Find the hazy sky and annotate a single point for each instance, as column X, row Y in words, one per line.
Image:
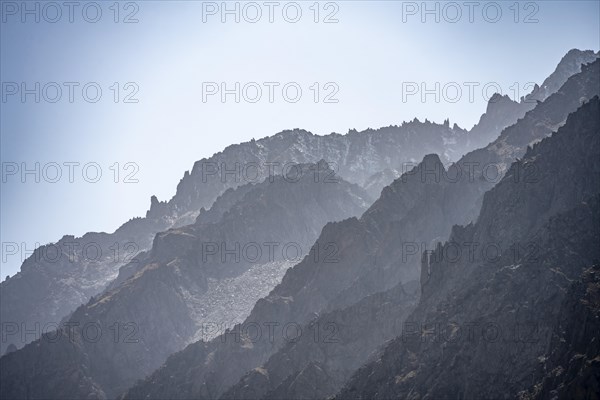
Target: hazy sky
column 178, row 50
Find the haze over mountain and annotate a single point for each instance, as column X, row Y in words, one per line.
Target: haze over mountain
column 365, row 214
column 546, row 232
column 377, row 251
column 50, row 286
column 171, row 293
column 59, row 277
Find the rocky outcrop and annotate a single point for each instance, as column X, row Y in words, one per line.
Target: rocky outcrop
column 59, row 277
column 485, row 320
column 571, row 370
column 173, row 292
column 502, row 112
column 333, row 346
column 569, row 65
column 48, row 288
column 376, row 252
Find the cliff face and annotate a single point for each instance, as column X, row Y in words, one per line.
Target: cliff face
column 206, row 275
column 569, row 65
column 334, row 345
column 570, row 369
column 496, row 311
column 59, row 277
column 502, row 112
column 376, row 252
column 48, row 288
column 312, row 286
column 191, row 278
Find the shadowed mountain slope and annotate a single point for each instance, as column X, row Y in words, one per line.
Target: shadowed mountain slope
column 486, row 322
column 376, row 252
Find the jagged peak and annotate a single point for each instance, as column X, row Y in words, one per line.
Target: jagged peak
column 431, row 159
column 496, row 100
column 429, row 170
column 293, row 132
column 574, row 53
column 573, row 61
column 496, row 97
column 572, row 58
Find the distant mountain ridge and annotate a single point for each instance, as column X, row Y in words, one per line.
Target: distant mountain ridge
column 45, row 290
column 556, row 220
column 172, row 291
column 419, row 208
column 376, row 261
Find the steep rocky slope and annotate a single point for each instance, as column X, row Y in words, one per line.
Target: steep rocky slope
column 46, row 289
column 568, row 65
column 250, row 386
column 335, row 345
column 485, row 320
column 502, row 112
column 49, row 287
column 187, row 282
column 376, row 252
column 572, row 367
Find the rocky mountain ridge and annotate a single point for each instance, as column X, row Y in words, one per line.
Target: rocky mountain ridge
column 545, row 232
column 188, row 283
column 416, row 209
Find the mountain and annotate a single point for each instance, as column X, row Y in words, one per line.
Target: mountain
column 58, row 277
column 502, row 112
column 349, row 336
column 570, row 370
column 486, row 321
column 205, row 275
column 207, row 369
column 458, row 190
column 376, row 252
column 164, row 284
column 48, row 287
column 569, row 65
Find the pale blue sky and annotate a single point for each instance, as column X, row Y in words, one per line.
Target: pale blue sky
column 170, row 52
